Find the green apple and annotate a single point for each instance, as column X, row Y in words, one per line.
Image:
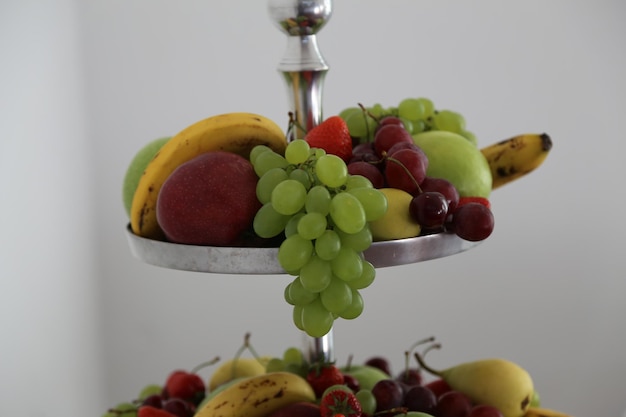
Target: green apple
column 367, row 375
column 135, row 169
column 454, row 158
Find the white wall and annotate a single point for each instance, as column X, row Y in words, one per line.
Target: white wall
column 545, row 290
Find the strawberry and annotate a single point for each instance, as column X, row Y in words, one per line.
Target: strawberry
column 333, row 136
column 340, row 403
column 323, row 376
column 150, row 411
column 482, row 200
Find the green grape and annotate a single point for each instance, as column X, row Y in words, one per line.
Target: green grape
column 268, row 160
column 294, row 252
column 291, row 228
column 355, row 309
column 347, row 212
column 327, row 246
column 331, row 170
column 373, row 201
column 297, row 151
column 125, row 409
column 293, row 355
column 148, row 390
column 429, row 107
column 337, row 296
column 297, row 317
column 358, row 181
column 412, row 109
column 366, row 278
column 275, row 365
column 408, row 124
column 347, row 265
column 257, row 150
column 470, row 136
column 301, row 176
column 317, row 200
column 349, row 111
column 449, row 121
column 288, row 197
column 418, row 126
column 312, row 225
column 268, row 222
column 367, row 400
column 316, row 274
column 377, row 110
column 266, row 183
column 318, row 152
column 287, row 295
column 360, row 125
column 299, row 295
column 316, row 320
column 358, row 241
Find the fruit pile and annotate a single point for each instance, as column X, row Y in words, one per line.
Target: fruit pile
column 324, row 199
column 290, row 386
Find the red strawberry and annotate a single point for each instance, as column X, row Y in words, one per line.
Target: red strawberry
column 333, row 136
column 482, row 200
column 340, row 403
column 150, row 411
column 324, row 376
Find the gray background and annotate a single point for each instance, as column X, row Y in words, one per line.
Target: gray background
column 83, row 85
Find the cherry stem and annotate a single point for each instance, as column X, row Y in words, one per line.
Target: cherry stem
column 205, row 364
column 420, row 359
column 407, row 354
column 406, row 170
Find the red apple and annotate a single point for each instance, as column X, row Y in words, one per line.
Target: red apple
column 209, row 200
column 298, row 409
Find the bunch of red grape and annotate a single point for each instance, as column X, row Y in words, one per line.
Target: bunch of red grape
column 393, row 160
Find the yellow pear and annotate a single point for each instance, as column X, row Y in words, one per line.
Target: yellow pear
column 236, row 368
column 397, row 222
column 496, row 382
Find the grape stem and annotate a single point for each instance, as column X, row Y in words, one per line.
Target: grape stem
column 294, row 122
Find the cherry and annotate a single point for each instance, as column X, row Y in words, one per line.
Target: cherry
column 420, row 398
column 453, row 404
column 380, row 363
column 388, row 393
column 473, row 222
column 185, row 385
column 429, row 209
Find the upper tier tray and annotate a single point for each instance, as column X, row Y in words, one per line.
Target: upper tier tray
column 259, row 261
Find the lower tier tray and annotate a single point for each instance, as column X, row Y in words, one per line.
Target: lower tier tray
column 264, row 260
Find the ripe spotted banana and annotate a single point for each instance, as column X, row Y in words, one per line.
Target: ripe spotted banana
column 258, row 396
column 513, row 158
column 544, row 412
column 232, row 132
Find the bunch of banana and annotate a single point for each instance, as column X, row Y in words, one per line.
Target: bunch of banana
column 258, row 396
column 232, row 132
column 544, row 412
column 515, row 157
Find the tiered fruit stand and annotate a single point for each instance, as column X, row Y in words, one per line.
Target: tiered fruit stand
column 303, row 69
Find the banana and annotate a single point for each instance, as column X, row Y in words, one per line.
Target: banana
column 232, row 132
column 258, row 396
column 544, row 412
column 515, row 157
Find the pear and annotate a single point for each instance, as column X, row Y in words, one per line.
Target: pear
column 496, row 382
column 236, row 368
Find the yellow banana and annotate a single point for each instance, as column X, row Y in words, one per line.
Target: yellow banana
column 232, row 132
column 515, row 157
column 544, row 412
column 258, row 396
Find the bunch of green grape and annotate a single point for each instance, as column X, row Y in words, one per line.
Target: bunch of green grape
column 324, row 214
column 292, row 360
column 418, row 115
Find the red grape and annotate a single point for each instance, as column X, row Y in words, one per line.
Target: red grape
column 388, row 135
column 420, row 398
column 388, row 394
column 369, row 171
column 380, row 363
column 155, row 401
column 453, row 404
column 473, row 222
column 406, row 170
column 178, row 407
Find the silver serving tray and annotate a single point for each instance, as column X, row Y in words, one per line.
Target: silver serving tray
column 260, row 260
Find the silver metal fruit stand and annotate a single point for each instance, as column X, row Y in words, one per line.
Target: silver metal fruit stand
column 304, row 70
